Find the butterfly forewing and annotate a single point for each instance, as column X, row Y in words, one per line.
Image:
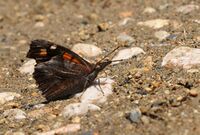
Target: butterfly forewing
column 42, row 50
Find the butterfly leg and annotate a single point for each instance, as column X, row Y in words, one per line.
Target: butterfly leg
column 99, row 84
column 84, row 89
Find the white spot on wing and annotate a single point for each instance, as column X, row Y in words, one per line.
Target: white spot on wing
column 53, row 47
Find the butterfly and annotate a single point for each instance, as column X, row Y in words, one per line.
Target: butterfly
column 61, row 73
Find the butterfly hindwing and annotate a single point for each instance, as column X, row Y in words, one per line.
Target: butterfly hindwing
column 55, row 88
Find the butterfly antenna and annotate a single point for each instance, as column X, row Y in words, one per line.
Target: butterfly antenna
column 109, row 53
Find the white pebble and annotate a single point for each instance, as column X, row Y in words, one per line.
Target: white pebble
column 161, row 35
column 125, row 21
column 149, row 10
column 96, row 93
column 8, row 96
column 18, row 133
column 14, row 114
column 75, row 109
column 28, row 67
column 185, row 57
column 39, row 25
column 127, row 53
column 187, row 8
column 63, row 130
column 155, row 24
column 87, row 50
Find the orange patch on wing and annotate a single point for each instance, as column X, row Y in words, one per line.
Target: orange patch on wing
column 76, row 61
column 43, row 52
column 69, row 57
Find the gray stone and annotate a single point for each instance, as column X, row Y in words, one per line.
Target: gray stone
column 187, row 8
column 161, row 35
column 125, row 38
column 135, row 115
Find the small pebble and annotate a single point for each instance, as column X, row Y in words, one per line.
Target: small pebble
column 126, row 14
column 184, row 57
column 155, row 84
column 175, row 103
column 172, row 37
column 93, row 17
column 39, row 25
column 14, row 114
column 187, row 8
column 197, row 38
column 39, row 18
column 197, row 21
column 194, row 92
column 75, row 109
column 193, row 70
column 103, row 26
column 87, row 50
column 36, row 113
column 149, row 10
column 14, row 133
column 155, row 24
column 70, row 128
column 22, row 42
column 125, row 21
column 12, row 105
column 90, row 133
column 164, row 6
column 18, row 133
column 76, row 119
column 8, row 96
column 43, row 127
column 161, row 35
column 125, row 38
column 127, row 53
column 180, row 98
column 28, row 67
column 1, row 18
column 167, row 92
column 145, row 120
column 135, row 115
column 176, row 24
column 148, row 89
column 148, row 62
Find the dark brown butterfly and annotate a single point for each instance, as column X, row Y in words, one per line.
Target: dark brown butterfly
column 60, row 73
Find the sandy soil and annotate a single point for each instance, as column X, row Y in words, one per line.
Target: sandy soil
column 160, row 93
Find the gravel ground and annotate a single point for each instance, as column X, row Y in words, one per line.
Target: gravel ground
column 147, row 99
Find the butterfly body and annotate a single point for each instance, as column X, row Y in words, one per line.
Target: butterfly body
column 60, row 73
